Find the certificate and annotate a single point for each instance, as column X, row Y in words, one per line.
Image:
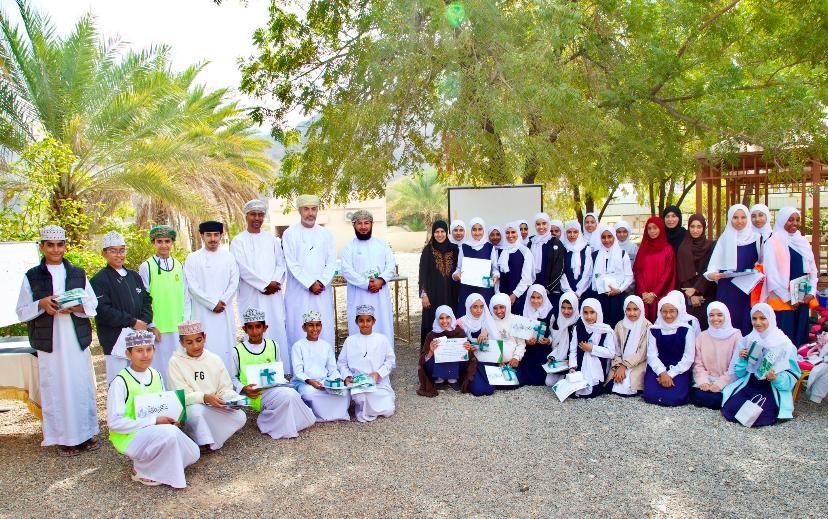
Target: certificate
column 748, row 281
column 564, row 388
column 165, row 403
column 501, row 376
column 270, row 374
column 476, row 272
column 523, row 327
column 451, row 350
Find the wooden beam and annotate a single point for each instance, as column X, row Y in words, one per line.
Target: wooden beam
column 816, row 169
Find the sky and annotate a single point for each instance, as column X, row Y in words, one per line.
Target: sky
column 196, row 30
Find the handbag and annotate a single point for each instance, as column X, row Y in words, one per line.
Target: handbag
column 750, row 410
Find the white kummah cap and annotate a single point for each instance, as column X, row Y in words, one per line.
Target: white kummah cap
column 139, row 338
column 190, row 328
column 52, row 233
column 113, row 239
column 311, row 316
column 365, row 310
column 307, row 201
column 253, row 315
column 255, row 205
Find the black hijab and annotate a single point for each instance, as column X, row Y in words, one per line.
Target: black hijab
column 677, row 234
column 435, row 245
column 694, row 254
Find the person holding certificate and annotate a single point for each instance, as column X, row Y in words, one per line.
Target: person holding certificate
column 538, row 348
column 503, row 353
column 476, row 265
column 789, row 264
column 445, row 358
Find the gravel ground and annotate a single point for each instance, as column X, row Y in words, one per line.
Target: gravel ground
column 515, row 454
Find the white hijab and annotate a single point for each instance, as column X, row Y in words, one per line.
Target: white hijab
column 559, row 224
column 539, row 240
column 545, row 307
column 765, row 230
column 614, row 253
column 454, row 225
column 443, row 309
column 472, row 324
column 634, row 328
column 779, row 272
column 677, row 300
column 772, row 339
column 561, row 335
column 724, row 256
column 599, row 326
column 502, row 236
column 508, row 248
column 574, row 247
column 521, row 239
column 588, row 235
column 496, row 325
column 470, row 241
column 726, row 330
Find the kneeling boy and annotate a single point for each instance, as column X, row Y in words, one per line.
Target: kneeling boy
column 207, row 387
column 157, row 447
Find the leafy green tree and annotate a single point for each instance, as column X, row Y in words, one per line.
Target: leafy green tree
column 138, row 131
column 418, row 200
column 578, row 95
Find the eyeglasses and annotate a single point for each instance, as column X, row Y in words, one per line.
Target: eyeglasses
column 116, row 252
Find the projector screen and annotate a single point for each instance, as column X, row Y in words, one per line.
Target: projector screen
column 497, row 205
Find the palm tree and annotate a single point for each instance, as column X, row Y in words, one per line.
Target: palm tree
column 140, row 132
column 421, row 196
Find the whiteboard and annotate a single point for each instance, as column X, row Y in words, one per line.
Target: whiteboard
column 497, row 205
column 16, row 257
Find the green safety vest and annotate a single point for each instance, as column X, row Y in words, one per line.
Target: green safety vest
column 134, row 388
column 268, row 354
column 166, row 287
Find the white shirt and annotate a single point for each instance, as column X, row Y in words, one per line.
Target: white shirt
column 116, row 404
column 365, row 354
column 310, row 254
column 314, row 360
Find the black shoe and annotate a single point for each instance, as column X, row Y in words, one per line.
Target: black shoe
column 440, row 386
column 455, row 385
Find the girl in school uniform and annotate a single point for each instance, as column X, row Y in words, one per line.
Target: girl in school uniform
column 622, row 234
column 760, row 220
column 670, row 354
column 541, row 247
column 523, row 229
column 654, row 269
column 476, row 246
column 691, row 263
column 737, row 249
column 591, row 349
column 672, row 223
column 516, row 267
column 714, row 352
column 788, row 255
column 577, row 260
column 457, row 232
column 691, row 320
column 538, row 306
column 503, row 349
column 473, row 322
column 563, row 330
column 764, row 342
column 610, row 262
column 556, row 227
column 590, row 225
column 626, row 374
column 496, row 237
column 433, row 375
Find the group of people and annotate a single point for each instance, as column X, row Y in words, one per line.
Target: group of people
column 172, row 326
column 664, row 319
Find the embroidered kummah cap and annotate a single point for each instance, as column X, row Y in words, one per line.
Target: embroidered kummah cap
column 255, row 206
column 139, row 338
column 52, row 233
column 311, row 316
column 190, row 328
column 253, row 315
column 362, row 214
column 113, row 239
column 210, row 226
column 162, row 231
column 365, row 310
column 307, row 201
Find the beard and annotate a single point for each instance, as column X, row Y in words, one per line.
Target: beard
column 364, row 237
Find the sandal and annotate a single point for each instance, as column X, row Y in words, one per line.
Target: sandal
column 92, row 444
column 144, row 481
column 67, row 452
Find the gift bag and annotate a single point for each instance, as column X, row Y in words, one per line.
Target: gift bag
column 750, row 410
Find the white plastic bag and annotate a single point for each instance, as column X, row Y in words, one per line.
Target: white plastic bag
column 750, row 410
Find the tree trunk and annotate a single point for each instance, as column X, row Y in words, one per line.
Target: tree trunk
column 652, row 199
column 576, row 196
column 589, row 203
column 498, row 157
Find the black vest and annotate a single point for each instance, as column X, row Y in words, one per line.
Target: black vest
column 41, row 327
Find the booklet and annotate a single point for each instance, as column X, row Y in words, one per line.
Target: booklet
column 70, row 298
column 266, row 375
column 748, row 281
column 165, row 403
column 571, row 383
column 605, row 282
column 799, row 288
column 476, row 272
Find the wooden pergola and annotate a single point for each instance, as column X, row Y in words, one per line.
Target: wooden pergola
column 751, row 178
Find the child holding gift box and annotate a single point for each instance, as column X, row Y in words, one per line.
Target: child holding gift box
column 313, row 362
column 369, row 353
column 158, row 449
column 538, row 306
column 207, row 387
column 282, row 413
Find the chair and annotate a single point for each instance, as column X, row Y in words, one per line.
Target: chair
column 803, row 381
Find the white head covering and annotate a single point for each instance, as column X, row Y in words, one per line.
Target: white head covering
column 588, row 235
column 521, row 239
column 765, row 230
column 614, row 253
column 255, row 205
column 539, row 240
column 252, row 315
column 455, row 224
column 677, row 300
column 470, row 241
column 560, row 336
column 724, row 331
column 622, row 224
column 545, row 307
column 771, row 340
column 443, row 309
column 556, row 223
column 307, row 200
column 576, row 247
column 634, row 328
column 496, row 324
column 52, row 233
column 724, row 255
column 507, row 248
column 112, row 239
column 472, row 324
column 599, row 326
column 502, row 237
column 778, row 270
